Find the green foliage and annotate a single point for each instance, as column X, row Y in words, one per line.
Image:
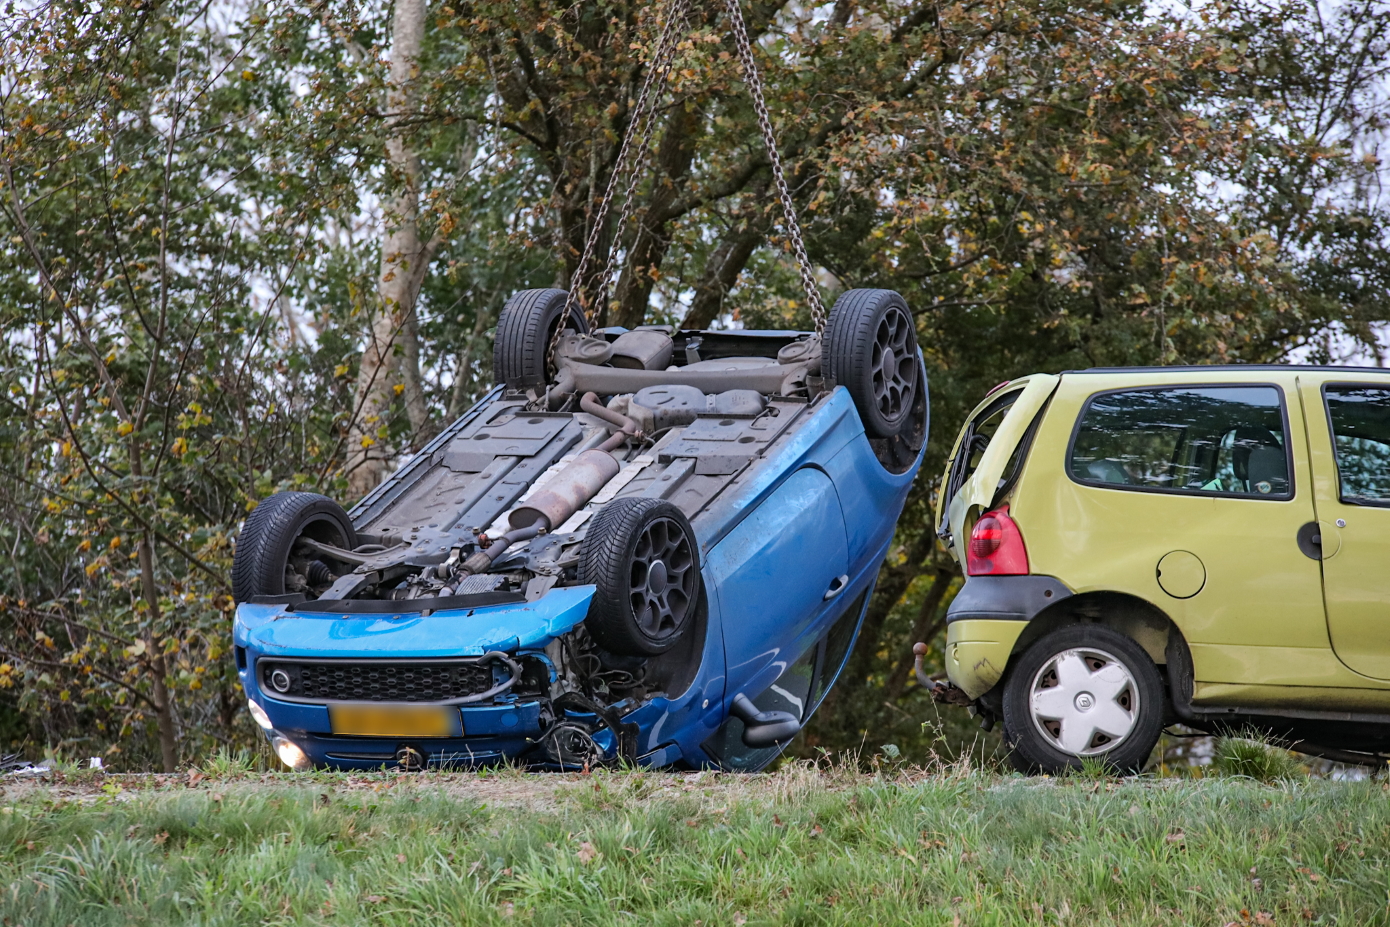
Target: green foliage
column 799, row 847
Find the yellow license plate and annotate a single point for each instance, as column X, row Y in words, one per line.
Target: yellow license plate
column 371, row 720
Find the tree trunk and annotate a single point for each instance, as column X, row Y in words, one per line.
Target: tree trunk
column 649, row 243
column 154, row 659
column 392, row 354
column 722, row 270
column 463, row 378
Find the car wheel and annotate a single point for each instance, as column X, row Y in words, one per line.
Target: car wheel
column 642, row 556
column 524, row 330
column 262, row 564
column 871, row 350
column 1082, row 692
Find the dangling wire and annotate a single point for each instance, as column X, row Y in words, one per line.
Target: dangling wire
column 643, row 123
column 755, row 87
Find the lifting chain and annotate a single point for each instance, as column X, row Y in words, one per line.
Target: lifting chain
column 644, row 123
column 755, row 88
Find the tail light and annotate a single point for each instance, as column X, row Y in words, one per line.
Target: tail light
column 996, row 546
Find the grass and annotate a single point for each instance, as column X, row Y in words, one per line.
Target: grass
column 1254, row 759
column 802, row 846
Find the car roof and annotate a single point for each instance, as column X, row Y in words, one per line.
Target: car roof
column 1229, row 368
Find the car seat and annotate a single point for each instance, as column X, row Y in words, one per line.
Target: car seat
column 1107, row 471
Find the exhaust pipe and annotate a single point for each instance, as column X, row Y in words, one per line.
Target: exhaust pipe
column 574, row 486
column 567, row 493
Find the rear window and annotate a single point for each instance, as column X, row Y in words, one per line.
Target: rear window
column 1360, row 417
column 1225, row 440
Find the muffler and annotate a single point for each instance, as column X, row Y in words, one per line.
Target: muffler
column 568, row 491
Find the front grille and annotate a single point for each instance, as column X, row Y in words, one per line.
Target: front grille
column 374, row 680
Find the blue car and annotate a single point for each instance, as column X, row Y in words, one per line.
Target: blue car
column 647, row 546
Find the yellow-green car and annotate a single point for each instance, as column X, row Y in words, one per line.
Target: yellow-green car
column 1204, row 545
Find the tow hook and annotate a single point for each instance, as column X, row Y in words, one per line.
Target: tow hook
column 946, row 692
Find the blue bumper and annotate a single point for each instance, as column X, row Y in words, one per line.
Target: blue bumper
column 508, row 729
column 491, row 732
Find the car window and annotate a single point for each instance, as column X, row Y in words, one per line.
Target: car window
column 1360, row 417
column 837, row 644
column 978, row 434
column 1201, row 439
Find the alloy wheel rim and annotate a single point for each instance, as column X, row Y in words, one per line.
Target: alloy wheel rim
column 894, row 363
column 1084, row 701
column 662, row 579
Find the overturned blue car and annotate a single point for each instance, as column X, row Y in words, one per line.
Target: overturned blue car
column 649, row 546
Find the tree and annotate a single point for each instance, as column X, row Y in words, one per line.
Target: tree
column 392, row 352
column 144, row 399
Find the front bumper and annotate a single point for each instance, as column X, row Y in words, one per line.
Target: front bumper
column 492, row 733
column 505, row 727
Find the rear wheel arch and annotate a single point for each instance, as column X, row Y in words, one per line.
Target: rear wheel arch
column 1136, row 618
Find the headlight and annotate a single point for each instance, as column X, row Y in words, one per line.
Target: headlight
column 290, row 754
column 259, row 714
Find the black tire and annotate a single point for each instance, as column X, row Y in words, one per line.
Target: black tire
column 268, row 535
column 1037, row 741
column 636, row 611
column 524, row 330
column 871, row 350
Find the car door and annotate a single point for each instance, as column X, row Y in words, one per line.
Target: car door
column 1189, row 494
column 1349, row 445
column 774, row 574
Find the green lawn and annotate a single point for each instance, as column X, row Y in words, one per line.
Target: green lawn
column 796, row 847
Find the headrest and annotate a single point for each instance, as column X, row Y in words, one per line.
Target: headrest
column 1269, row 471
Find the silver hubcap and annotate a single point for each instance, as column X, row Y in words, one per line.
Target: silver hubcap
column 1084, row 702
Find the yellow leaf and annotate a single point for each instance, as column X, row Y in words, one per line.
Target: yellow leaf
column 340, row 370
column 124, row 428
column 399, row 388
column 367, row 442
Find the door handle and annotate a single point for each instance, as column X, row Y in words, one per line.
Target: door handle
column 837, row 586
